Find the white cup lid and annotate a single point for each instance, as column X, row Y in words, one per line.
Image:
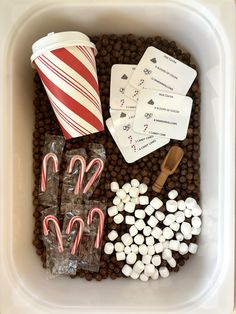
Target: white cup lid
column 59, row 40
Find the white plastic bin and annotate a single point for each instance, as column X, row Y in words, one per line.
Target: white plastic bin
column 205, row 283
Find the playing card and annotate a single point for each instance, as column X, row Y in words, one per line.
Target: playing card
column 123, row 125
column 157, row 70
column 136, row 151
column 162, row 114
column 120, row 74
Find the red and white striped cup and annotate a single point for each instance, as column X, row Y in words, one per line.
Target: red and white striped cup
column 66, row 65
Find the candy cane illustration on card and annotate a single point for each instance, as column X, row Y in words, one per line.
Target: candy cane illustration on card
column 66, row 65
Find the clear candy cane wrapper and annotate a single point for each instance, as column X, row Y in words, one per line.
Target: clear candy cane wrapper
column 52, row 238
column 92, row 239
column 94, row 168
column 73, row 177
column 49, row 180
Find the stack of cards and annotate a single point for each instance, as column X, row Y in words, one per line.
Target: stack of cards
column 148, row 105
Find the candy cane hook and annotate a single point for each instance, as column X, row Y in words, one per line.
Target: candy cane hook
column 79, row 233
column 101, row 215
column 96, row 174
column 58, row 230
column 44, row 169
column 81, row 173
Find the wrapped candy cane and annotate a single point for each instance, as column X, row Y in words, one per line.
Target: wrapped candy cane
column 101, row 215
column 57, row 228
column 98, row 171
column 46, row 158
column 79, row 233
column 81, row 171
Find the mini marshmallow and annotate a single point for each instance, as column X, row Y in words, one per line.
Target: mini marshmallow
column 129, row 220
column 109, row 248
column 172, row 194
column 147, row 231
column 134, row 248
column 183, row 249
column 139, row 239
column 126, row 199
column 143, row 188
column 133, row 231
column 127, row 270
column 172, row 262
column 119, row 247
column 152, row 221
column 175, row 226
column 190, row 202
column 196, row 211
column 166, row 254
column 179, row 217
column 188, row 236
column 171, row 206
column 186, row 228
column 156, row 260
column 134, row 275
column 138, row 267
column 116, row 200
column 143, row 200
column 149, row 210
column 166, row 244
column 120, row 207
column 126, row 187
column 114, row 186
column 193, row 248
column 155, row 276
column 135, row 183
column 156, row 203
column 120, row 256
column 129, row 207
column 179, row 236
column 146, row 259
column 127, row 250
column 118, row 219
column 127, row 239
column 158, row 247
column 112, row 235
column 181, row 205
column 135, row 200
column 143, row 249
column 143, row 277
column 139, row 213
column 159, row 215
column 140, row 224
column 151, row 250
column 149, row 270
column 112, row 211
column 131, row 258
column 134, row 192
column 162, row 239
column 174, row 245
column 150, row 240
column 188, row 213
column 164, row 272
column 167, row 233
column 196, row 231
column 121, row 194
column 196, row 222
column 170, row 218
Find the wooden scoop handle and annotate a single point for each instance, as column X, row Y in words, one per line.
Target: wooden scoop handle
column 160, row 181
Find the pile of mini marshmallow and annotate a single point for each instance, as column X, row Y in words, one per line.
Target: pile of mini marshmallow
column 146, row 239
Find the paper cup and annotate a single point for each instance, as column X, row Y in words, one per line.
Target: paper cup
column 66, row 65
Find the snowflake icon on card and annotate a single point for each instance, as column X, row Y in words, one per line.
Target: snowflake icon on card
column 126, row 127
column 147, row 71
column 148, row 115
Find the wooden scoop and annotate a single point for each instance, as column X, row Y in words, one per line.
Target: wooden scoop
column 168, row 167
